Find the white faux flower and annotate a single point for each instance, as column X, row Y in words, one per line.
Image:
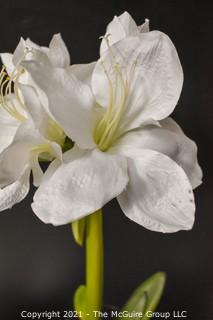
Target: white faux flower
column 27, row 130
column 123, row 146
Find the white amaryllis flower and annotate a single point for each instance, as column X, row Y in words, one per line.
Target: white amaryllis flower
column 27, row 130
column 123, row 146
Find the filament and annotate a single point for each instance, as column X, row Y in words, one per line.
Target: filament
column 7, row 86
column 107, row 129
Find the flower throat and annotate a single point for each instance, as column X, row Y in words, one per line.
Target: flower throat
column 108, row 127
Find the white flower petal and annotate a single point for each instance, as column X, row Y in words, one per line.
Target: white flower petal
column 7, row 60
column 128, row 24
column 80, row 187
column 119, row 28
column 83, row 72
column 168, row 139
column 34, row 107
column 19, row 53
column 9, row 172
column 54, row 165
column 73, row 154
column 32, row 45
column 151, row 65
column 15, row 192
column 41, row 118
column 159, row 195
column 186, row 155
column 12, row 61
column 6, row 136
column 70, row 101
column 8, row 128
column 36, row 169
column 58, row 53
column 115, row 31
column 27, row 137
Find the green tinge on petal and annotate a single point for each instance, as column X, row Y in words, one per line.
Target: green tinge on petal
column 55, row 133
column 78, row 230
column 147, row 296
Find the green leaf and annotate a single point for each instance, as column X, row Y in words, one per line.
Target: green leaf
column 78, row 230
column 147, row 296
column 80, row 301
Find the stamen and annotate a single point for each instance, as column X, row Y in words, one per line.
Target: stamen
column 16, row 90
column 111, row 54
column 107, row 127
column 107, row 130
column 2, row 73
column 111, row 101
column 6, row 94
column 9, row 86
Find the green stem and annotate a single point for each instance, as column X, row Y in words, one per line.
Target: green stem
column 94, row 263
column 89, row 297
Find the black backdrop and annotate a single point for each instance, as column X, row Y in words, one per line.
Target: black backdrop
column 40, row 265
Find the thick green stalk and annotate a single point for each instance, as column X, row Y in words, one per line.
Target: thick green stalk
column 94, row 263
column 89, row 297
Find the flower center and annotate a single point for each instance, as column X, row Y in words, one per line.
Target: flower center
column 119, row 78
column 10, row 98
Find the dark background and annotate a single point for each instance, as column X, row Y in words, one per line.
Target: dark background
column 40, row 265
